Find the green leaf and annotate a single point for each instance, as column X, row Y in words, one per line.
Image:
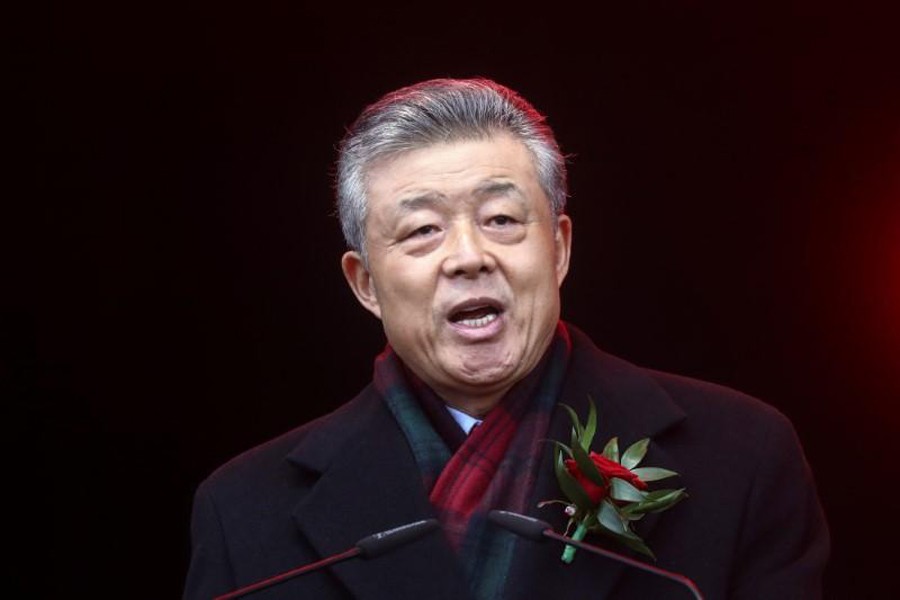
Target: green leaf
column 668, row 502
column 611, row 450
column 632, row 541
column 587, row 466
column 620, row 489
column 617, row 527
column 635, row 453
column 575, row 422
column 591, row 427
column 571, row 488
column 563, row 447
column 657, row 494
column 653, row 473
column 610, row 518
column 659, row 501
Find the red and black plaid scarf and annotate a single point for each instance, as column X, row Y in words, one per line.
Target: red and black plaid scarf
column 495, row 466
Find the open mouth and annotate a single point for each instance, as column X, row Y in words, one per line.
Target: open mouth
column 475, row 316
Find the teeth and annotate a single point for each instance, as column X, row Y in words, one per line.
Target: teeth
column 479, row 322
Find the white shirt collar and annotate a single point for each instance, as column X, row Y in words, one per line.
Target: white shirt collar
column 467, row 422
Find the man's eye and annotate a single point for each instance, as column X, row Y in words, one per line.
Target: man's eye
column 423, row 231
column 502, row 220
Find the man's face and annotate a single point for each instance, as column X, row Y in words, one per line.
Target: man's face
column 464, row 265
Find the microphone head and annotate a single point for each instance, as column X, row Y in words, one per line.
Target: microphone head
column 528, row 527
column 384, row 541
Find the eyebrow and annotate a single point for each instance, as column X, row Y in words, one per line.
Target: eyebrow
column 485, row 188
column 423, row 200
column 498, row 188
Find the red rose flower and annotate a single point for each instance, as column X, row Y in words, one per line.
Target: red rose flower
column 609, row 469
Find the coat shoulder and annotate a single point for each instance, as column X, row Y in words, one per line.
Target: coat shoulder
column 316, row 440
column 716, row 402
column 702, row 401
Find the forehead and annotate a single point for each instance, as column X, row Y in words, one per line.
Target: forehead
column 458, row 168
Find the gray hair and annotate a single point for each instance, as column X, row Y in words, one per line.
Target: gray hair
column 432, row 112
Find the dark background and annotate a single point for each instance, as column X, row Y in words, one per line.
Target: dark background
column 172, row 293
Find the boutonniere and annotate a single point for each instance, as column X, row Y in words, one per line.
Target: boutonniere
column 607, row 492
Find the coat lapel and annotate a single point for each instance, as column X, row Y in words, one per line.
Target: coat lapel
column 630, row 405
column 369, row 483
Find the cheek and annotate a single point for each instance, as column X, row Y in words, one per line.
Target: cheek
column 536, row 277
column 402, row 295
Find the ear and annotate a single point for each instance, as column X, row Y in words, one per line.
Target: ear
column 563, row 243
column 360, row 281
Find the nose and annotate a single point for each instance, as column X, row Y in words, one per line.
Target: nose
column 467, row 253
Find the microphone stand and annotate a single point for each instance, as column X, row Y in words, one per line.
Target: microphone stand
column 354, row 551
column 537, row 530
column 627, row 560
column 368, row 547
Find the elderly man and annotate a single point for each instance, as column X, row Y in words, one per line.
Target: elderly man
column 451, row 196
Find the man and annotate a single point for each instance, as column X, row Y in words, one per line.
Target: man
column 451, row 196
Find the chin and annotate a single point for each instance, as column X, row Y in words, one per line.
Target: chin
column 486, row 375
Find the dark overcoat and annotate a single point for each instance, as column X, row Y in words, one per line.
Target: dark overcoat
column 751, row 528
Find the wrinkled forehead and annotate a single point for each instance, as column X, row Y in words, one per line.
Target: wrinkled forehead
column 468, row 170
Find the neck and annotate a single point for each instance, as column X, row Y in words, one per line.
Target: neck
column 476, row 407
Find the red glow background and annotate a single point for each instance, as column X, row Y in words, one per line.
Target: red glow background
column 172, row 294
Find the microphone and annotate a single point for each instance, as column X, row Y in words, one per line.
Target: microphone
column 385, row 541
column 537, row 530
column 368, row 547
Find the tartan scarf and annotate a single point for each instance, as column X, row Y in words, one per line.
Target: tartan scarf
column 494, row 468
